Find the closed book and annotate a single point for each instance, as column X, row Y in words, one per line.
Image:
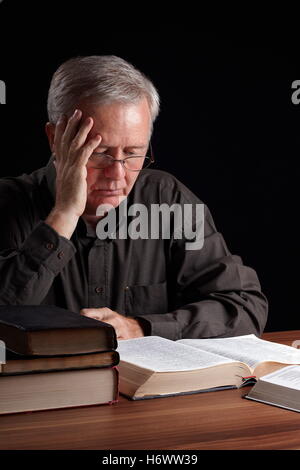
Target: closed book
column 280, row 388
column 18, row 364
column 50, row 330
column 62, row 389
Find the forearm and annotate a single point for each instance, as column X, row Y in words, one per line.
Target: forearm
column 28, row 273
column 63, row 223
column 219, row 315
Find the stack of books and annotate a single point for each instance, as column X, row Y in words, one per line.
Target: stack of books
column 55, row 359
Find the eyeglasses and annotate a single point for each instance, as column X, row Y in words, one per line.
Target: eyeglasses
column 135, row 163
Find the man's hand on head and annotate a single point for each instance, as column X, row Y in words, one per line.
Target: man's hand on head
column 72, row 148
column 125, row 327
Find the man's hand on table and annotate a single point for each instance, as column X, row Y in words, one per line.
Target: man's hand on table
column 125, row 327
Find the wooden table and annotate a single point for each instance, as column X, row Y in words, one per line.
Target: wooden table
column 216, row 420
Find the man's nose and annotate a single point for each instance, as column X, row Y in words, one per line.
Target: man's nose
column 115, row 171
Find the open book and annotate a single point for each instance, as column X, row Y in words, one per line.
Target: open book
column 152, row 366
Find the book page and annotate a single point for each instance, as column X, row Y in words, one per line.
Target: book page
column 163, row 355
column 247, row 348
column 287, row 377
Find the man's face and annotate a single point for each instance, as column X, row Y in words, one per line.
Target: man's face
column 125, row 131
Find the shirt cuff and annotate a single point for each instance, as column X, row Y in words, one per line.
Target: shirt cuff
column 164, row 325
column 45, row 246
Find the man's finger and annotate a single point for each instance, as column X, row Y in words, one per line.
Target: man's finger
column 82, row 134
column 98, row 313
column 71, row 129
column 59, row 130
column 89, row 147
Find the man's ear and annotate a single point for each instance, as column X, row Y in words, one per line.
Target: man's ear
column 50, row 131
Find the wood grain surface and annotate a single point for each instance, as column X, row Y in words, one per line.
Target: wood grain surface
column 215, row 420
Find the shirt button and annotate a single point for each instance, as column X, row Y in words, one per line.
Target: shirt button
column 60, row 254
column 99, row 290
column 49, row 246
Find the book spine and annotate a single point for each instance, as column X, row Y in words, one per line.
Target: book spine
column 116, row 369
column 114, row 339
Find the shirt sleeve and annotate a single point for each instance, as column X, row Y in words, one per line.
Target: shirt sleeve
column 31, row 252
column 27, row 272
column 211, row 292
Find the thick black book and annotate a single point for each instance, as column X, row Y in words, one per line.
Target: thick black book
column 50, row 330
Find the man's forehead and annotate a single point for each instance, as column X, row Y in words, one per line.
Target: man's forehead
column 114, row 107
column 133, row 146
column 120, row 124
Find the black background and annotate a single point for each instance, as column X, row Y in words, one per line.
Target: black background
column 227, row 128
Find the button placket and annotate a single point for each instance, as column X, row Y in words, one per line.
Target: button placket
column 96, row 276
column 49, row 246
column 99, row 290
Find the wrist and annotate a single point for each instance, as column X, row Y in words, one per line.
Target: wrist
column 141, row 326
column 64, row 223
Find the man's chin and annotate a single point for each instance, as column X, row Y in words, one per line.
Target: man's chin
column 105, row 200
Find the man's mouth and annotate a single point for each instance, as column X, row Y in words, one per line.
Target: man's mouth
column 110, row 192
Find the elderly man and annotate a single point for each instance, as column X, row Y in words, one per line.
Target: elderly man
column 101, row 114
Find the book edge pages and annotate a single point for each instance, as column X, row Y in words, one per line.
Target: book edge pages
column 271, row 403
column 137, row 391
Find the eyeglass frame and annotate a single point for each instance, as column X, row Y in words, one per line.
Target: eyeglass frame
column 123, row 160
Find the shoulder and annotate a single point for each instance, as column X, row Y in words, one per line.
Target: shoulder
column 13, row 188
column 165, row 184
column 19, row 191
column 158, row 177
column 22, row 205
column 161, row 187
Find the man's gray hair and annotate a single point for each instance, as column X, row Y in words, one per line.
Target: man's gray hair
column 100, row 80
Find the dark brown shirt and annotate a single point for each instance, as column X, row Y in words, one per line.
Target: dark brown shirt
column 177, row 293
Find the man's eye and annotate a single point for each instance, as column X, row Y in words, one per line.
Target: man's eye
column 98, row 154
column 130, row 154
